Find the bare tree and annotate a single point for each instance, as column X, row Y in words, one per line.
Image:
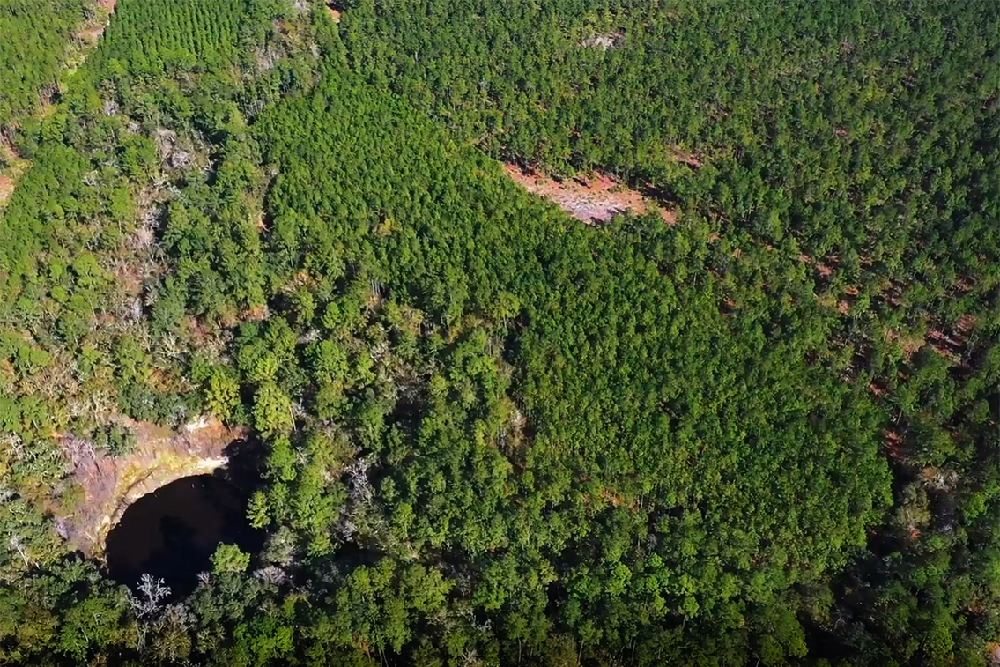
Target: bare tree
column 17, row 546
column 152, row 593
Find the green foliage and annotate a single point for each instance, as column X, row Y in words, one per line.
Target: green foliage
column 833, row 138
column 150, row 36
column 222, row 396
column 36, row 34
column 228, row 559
column 115, row 440
column 490, row 434
column 272, row 410
column 628, row 355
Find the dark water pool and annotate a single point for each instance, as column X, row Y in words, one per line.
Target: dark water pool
column 173, row 532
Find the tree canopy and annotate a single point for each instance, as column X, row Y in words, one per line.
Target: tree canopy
column 481, row 432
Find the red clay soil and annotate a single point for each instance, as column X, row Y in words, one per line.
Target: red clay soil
column 849, row 298
column 951, row 342
column 593, row 200
column 894, row 445
column 685, row 157
column 825, row 268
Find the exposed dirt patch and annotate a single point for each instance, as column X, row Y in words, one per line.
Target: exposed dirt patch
column 685, row 157
column 593, row 200
column 908, row 343
column 6, row 187
column 336, row 9
column 847, row 300
column 894, row 446
column 823, row 270
column 615, row 499
column 952, row 341
column 8, row 179
column 605, row 41
column 89, row 34
column 111, row 483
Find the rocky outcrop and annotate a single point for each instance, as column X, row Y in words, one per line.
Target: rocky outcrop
column 111, row 483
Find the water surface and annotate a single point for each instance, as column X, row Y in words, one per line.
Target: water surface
column 173, row 532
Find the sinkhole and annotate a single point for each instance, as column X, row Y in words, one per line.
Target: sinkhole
column 172, row 532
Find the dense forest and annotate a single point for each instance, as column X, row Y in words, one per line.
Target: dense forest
column 30, row 57
column 478, row 431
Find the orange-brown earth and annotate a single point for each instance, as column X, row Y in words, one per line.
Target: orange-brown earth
column 336, row 9
column 6, row 187
column 593, row 199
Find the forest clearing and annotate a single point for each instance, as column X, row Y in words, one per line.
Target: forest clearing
column 593, row 199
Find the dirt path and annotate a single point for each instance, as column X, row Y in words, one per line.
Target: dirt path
column 594, row 200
